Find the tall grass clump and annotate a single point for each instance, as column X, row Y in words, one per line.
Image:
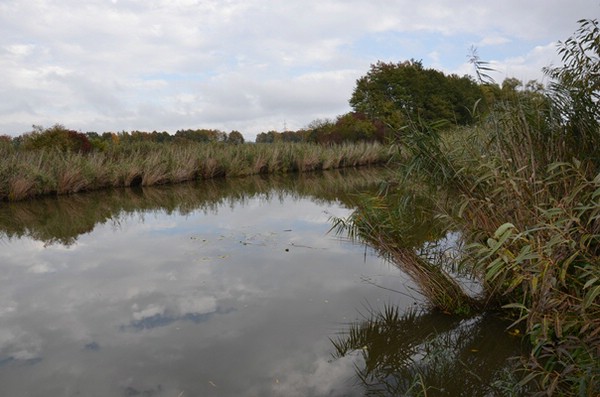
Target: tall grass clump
column 43, row 168
column 530, row 205
column 523, row 189
column 548, row 273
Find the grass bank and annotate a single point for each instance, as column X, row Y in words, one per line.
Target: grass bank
column 29, row 173
column 522, row 189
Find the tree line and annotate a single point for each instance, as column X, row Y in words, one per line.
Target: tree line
column 385, row 100
column 65, row 139
column 392, row 96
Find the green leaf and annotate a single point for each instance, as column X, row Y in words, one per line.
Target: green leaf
column 565, row 266
column 494, row 268
column 503, row 229
column 590, row 282
column 525, row 254
column 534, row 284
column 504, row 232
column 519, row 306
column 591, row 296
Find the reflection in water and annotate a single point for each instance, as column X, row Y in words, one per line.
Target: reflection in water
column 221, row 288
column 62, row 220
column 401, row 352
column 217, row 289
column 403, row 226
column 161, row 320
column 428, row 354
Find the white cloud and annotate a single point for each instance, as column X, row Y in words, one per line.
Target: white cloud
column 245, row 65
column 493, row 40
column 20, row 49
column 325, row 378
column 148, row 311
column 524, row 67
column 41, row 268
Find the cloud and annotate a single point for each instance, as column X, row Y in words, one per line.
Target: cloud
column 493, row 40
column 325, row 377
column 525, row 67
column 245, row 65
column 522, row 66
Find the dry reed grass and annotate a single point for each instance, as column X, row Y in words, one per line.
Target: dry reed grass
column 26, row 174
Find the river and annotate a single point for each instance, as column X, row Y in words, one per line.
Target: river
column 214, row 288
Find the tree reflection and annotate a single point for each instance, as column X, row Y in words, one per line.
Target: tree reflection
column 61, row 220
column 429, row 354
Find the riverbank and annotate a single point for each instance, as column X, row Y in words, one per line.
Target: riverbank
column 26, row 174
column 521, row 188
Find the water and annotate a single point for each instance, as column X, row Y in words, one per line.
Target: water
column 211, row 289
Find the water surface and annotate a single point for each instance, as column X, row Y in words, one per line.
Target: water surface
column 225, row 288
column 217, row 288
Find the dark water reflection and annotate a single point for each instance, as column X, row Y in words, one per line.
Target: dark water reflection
column 224, row 288
column 62, row 219
column 414, row 353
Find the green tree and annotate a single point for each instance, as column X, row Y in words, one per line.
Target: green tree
column 353, row 127
column 269, row 137
column 6, row 142
column 235, row 137
column 97, row 141
column 201, row 135
column 396, row 93
column 161, row 136
column 320, row 130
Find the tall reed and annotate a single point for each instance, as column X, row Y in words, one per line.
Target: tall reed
column 26, row 174
column 527, row 178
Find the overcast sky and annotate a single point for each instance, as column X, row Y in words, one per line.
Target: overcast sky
column 248, row 65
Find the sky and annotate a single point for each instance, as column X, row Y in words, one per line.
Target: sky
column 247, row 65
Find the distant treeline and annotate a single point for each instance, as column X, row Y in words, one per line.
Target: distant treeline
column 62, row 138
column 387, row 99
column 392, row 96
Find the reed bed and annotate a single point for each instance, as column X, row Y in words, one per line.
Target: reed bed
column 27, row 174
column 528, row 212
column 525, row 189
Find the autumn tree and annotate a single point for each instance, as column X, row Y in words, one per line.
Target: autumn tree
column 57, row 137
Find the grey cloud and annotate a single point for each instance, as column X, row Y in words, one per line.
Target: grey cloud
column 105, row 65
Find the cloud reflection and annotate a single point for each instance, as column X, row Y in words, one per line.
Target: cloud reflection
column 19, row 347
column 182, row 299
column 183, row 309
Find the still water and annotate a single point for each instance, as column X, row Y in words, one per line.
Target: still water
column 194, row 290
column 220, row 288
